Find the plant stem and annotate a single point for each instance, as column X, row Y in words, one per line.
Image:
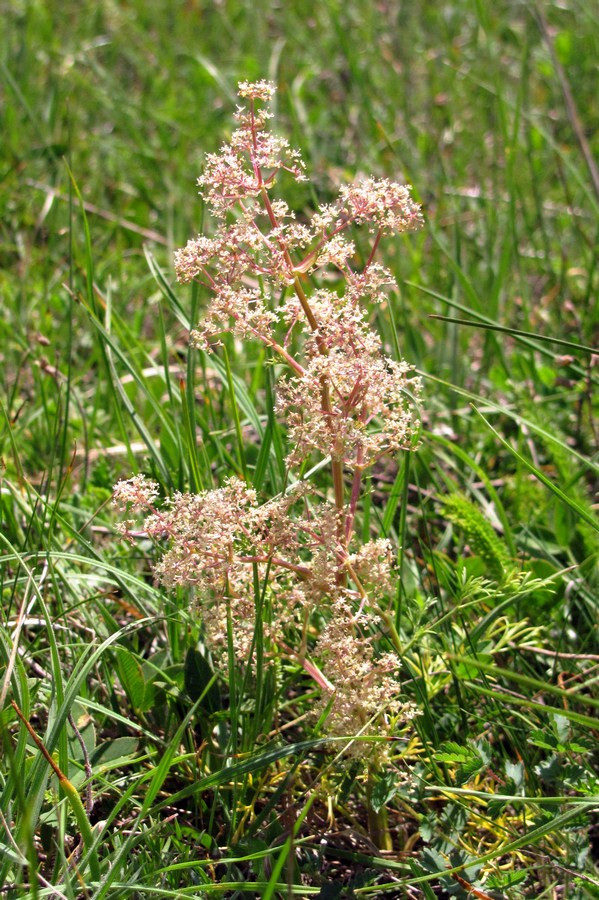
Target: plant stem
column 336, row 465
column 72, row 796
column 378, row 825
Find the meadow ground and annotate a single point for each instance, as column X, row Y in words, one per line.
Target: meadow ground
column 159, row 770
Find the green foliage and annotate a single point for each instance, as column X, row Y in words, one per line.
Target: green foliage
column 478, row 533
column 210, row 783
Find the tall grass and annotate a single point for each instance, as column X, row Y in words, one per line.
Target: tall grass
column 199, row 783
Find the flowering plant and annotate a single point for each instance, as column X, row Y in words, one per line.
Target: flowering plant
column 343, row 401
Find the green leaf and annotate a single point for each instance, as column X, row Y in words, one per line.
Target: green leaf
column 550, row 771
column 569, row 501
column 453, row 753
column 131, row 676
column 87, row 732
column 514, row 772
column 384, row 790
column 200, row 681
column 543, row 739
column 562, row 728
column 112, row 754
column 506, row 880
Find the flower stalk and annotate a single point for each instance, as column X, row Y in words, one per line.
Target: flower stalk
column 269, row 278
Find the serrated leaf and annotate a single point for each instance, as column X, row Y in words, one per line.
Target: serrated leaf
column 543, row 739
column 575, row 747
column 470, row 768
column 452, row 752
column 562, row 728
column 550, row 771
column 507, row 879
column 483, row 748
column 515, row 772
column 426, row 830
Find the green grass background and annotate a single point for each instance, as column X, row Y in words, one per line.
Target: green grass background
column 490, row 111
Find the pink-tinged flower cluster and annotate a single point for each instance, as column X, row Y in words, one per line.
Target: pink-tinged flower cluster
column 296, row 287
column 344, row 399
column 135, row 493
column 247, row 165
column 257, row 90
column 370, row 414
column 363, row 686
column 364, row 692
column 217, row 539
column 214, row 537
column 382, row 204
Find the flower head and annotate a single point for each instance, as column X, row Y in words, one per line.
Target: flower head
column 257, row 90
column 385, row 205
column 134, row 493
column 364, row 686
column 371, row 401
